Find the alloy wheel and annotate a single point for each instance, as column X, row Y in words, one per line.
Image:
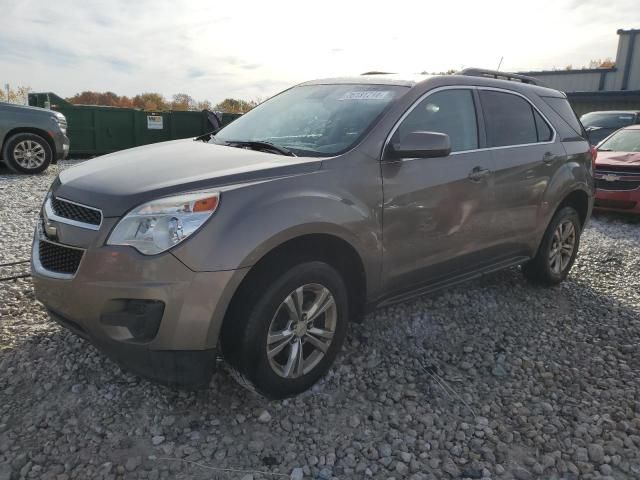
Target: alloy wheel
column 29, row 154
column 301, row 330
column 562, row 246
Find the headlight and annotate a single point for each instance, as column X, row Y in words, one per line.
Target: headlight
column 61, row 120
column 158, row 225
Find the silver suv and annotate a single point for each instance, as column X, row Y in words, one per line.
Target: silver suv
column 31, row 138
column 263, row 241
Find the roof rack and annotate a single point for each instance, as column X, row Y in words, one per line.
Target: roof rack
column 480, row 72
column 376, row 72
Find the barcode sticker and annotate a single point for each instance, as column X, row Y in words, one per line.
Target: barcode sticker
column 366, row 95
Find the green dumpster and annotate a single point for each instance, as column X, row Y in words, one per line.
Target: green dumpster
column 95, row 130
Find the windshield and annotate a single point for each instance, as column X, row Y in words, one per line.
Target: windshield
column 313, row 120
column 622, row 141
column 607, row 120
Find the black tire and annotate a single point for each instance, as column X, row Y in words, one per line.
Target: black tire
column 539, row 269
column 40, row 145
column 245, row 331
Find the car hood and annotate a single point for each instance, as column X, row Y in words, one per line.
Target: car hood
column 618, row 159
column 117, row 182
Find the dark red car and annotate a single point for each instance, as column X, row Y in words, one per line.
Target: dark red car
column 617, row 171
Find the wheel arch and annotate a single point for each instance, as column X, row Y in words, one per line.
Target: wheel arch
column 579, row 200
column 332, row 249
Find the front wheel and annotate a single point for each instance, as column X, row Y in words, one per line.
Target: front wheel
column 557, row 251
column 283, row 340
column 27, row 153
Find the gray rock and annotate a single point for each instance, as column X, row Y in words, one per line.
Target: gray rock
column 265, row 417
column 520, row 473
column 596, row 453
column 256, row 446
column 402, row 468
column 451, row 468
column 157, row 440
column 297, row 474
column 5, row 471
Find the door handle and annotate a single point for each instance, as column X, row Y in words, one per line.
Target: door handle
column 548, row 158
column 478, row 173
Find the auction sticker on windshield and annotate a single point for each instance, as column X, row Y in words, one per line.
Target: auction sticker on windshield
column 366, row 95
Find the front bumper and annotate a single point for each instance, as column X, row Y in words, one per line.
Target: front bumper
column 179, row 348
column 169, row 367
column 62, row 144
column 627, row 201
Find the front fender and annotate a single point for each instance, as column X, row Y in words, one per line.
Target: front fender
column 253, row 219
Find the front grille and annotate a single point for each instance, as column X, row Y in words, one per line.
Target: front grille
column 617, row 184
column 72, row 211
column 626, row 178
column 619, row 204
column 58, row 258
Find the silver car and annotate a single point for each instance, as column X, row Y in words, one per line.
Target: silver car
column 263, row 241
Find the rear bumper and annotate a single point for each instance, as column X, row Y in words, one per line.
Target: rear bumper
column 619, row 200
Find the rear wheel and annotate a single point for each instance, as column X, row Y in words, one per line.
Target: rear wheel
column 279, row 342
column 27, row 153
column 558, row 249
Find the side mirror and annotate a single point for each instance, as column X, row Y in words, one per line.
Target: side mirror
column 419, row 145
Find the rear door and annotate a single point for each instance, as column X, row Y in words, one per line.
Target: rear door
column 526, row 153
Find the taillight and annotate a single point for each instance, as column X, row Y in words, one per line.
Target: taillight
column 594, row 155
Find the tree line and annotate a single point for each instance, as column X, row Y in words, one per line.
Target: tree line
column 156, row 101
column 144, row 101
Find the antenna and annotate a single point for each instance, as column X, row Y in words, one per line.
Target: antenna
column 499, row 64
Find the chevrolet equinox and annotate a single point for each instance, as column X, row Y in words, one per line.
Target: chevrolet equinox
column 261, row 242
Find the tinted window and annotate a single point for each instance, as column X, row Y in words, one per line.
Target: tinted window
column 509, row 119
column 562, row 107
column 448, row 111
column 544, row 131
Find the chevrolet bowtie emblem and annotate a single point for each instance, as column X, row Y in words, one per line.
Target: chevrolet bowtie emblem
column 610, row 177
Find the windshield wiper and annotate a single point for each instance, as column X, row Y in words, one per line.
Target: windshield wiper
column 260, row 144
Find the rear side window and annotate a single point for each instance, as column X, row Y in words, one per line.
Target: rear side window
column 509, row 119
column 448, row 111
column 562, row 107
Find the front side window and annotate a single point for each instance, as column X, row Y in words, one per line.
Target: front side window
column 313, row 120
column 622, row 141
column 510, row 120
column 448, row 111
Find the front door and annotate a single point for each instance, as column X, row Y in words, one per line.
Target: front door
column 437, row 212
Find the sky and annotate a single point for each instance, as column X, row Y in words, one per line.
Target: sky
column 252, row 49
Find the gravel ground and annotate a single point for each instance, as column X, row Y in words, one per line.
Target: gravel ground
column 494, row 379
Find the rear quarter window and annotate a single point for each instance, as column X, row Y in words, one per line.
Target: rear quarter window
column 563, row 108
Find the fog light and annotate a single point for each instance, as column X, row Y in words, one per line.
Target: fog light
column 131, row 319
